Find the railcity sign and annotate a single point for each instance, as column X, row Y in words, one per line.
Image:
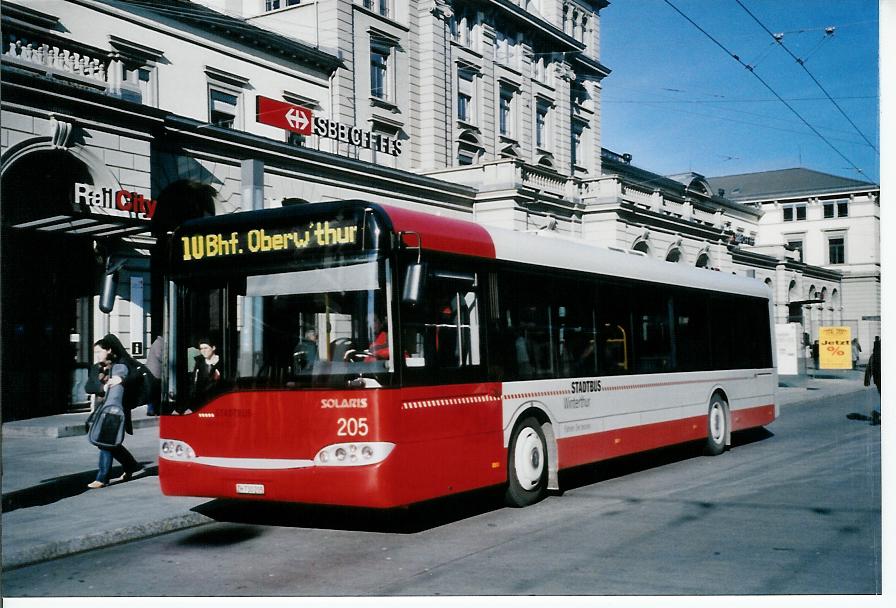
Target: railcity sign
column 117, row 203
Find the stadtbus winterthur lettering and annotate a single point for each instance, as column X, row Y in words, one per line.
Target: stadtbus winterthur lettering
column 259, row 240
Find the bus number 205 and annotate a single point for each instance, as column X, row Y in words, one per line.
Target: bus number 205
column 352, row 427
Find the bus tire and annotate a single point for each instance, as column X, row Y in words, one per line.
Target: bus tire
column 717, row 426
column 527, row 466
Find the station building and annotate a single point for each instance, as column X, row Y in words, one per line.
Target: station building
column 121, row 118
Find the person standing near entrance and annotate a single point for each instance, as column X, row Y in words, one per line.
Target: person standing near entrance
column 155, row 360
column 113, row 366
column 856, row 349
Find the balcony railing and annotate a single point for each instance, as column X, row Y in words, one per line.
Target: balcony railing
column 53, row 59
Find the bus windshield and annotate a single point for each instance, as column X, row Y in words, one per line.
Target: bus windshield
column 321, row 327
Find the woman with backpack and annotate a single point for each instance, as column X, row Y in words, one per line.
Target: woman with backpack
column 114, row 378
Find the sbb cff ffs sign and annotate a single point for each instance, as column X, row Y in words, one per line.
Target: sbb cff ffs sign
column 283, row 115
column 300, row 120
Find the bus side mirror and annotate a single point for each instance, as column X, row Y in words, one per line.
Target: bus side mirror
column 412, row 292
column 108, row 291
column 109, row 288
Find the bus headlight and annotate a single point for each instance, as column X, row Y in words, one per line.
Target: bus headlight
column 353, row 454
column 172, row 449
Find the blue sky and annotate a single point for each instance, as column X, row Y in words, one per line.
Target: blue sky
column 678, row 102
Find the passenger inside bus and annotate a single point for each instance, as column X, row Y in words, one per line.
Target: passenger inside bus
column 207, row 367
column 305, row 352
column 523, row 359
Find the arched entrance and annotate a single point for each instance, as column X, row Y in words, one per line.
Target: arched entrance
column 48, row 280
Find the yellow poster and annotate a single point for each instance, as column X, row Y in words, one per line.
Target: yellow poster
column 834, row 348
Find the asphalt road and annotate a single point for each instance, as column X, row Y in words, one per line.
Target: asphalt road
column 793, row 509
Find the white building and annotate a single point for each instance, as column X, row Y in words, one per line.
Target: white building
column 827, row 221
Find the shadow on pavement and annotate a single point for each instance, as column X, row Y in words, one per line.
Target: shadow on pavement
column 626, row 465
column 221, row 537
column 402, row 520
column 58, row 488
column 433, row 513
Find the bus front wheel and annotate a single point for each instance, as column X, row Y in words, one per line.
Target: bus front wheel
column 717, row 426
column 527, row 465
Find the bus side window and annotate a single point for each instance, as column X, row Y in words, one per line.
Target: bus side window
column 528, row 333
column 614, row 335
column 443, row 331
column 577, row 350
column 652, row 331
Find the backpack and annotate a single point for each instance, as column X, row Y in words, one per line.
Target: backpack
column 107, row 429
column 141, row 384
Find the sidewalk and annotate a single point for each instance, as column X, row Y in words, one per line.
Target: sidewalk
column 49, row 512
column 47, row 463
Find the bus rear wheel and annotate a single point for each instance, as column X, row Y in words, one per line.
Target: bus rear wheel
column 717, row 426
column 527, row 466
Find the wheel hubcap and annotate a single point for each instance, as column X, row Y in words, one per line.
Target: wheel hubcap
column 528, row 459
column 717, row 423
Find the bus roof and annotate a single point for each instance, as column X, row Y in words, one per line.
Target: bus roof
column 465, row 237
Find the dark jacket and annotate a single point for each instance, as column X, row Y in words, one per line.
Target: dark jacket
column 205, row 377
column 872, row 371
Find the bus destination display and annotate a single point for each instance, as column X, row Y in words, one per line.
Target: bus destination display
column 257, row 241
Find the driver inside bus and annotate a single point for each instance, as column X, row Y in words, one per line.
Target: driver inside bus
column 379, row 347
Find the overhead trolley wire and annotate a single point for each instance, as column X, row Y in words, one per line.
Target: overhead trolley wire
column 802, row 64
column 750, row 69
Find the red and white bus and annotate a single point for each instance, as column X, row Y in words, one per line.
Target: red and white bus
column 370, row 355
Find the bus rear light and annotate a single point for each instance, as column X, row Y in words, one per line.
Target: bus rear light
column 353, row 454
column 175, row 450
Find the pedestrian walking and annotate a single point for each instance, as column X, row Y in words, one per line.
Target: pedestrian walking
column 113, row 377
column 856, row 349
column 872, row 373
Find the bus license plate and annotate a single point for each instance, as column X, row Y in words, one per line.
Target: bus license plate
column 249, row 488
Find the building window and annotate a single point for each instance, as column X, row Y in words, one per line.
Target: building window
column 505, row 49
column 469, row 147
column 225, row 98
column 578, row 148
column 132, row 72
column 273, row 5
column 379, row 70
column 542, row 124
column 834, row 209
column 378, row 6
column 464, row 106
column 461, row 26
column 836, row 250
column 387, row 143
column 466, row 96
column 797, row 245
column 794, row 212
column 505, row 111
column 139, row 84
column 223, row 108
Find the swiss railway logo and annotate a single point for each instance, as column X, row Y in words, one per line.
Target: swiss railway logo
column 283, row 115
